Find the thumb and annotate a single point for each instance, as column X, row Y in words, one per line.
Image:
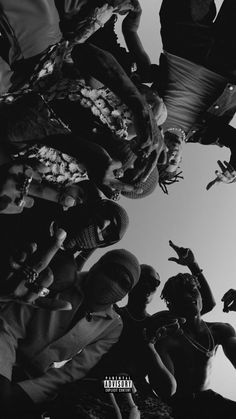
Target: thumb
column 174, row 260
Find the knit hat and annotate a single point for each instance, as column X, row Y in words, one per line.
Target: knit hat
column 148, row 187
column 122, row 272
column 82, row 225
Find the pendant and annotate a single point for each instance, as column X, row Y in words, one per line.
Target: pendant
column 209, row 354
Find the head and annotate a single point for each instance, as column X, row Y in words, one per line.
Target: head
column 147, row 187
column 169, row 172
column 174, row 141
column 182, row 296
column 142, row 294
column 111, row 278
column 91, row 226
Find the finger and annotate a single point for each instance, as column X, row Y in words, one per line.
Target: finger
column 220, row 176
column 229, row 166
column 231, row 307
column 221, row 165
column 172, row 259
column 174, row 246
column 212, row 183
column 29, row 202
column 43, row 283
column 42, row 258
column 228, row 293
column 230, row 298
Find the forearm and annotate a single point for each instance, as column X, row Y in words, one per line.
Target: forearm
column 135, row 48
column 205, row 290
column 160, row 378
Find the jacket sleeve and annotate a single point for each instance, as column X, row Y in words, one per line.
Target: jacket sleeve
column 45, row 387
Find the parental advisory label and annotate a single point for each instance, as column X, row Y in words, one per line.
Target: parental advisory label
column 117, row 384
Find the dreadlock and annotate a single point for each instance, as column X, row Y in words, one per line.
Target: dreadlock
column 177, row 284
column 168, row 178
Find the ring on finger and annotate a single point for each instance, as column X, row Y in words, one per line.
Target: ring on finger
column 119, row 173
column 29, row 274
column 37, row 289
column 115, row 196
column 20, row 202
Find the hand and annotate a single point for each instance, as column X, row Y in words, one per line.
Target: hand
column 149, row 135
column 185, row 255
column 162, row 327
column 22, row 182
column 28, row 276
column 123, row 6
column 112, row 184
column 132, row 21
column 229, row 300
column 227, row 174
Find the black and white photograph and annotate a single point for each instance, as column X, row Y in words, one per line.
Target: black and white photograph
column 117, row 217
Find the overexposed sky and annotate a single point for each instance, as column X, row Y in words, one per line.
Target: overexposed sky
column 190, row 216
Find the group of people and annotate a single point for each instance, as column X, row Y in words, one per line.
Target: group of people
column 83, row 121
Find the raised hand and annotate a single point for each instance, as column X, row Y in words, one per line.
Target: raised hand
column 229, row 300
column 226, row 175
column 28, row 276
column 185, row 255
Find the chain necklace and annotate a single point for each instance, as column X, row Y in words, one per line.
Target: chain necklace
column 133, row 318
column 209, row 352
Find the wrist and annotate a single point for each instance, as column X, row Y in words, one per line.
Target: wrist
column 195, row 268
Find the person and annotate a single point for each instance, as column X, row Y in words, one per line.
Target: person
column 134, row 354
column 197, row 70
column 188, row 355
column 26, row 276
column 58, row 348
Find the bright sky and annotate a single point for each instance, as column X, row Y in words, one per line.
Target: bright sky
column 190, row 216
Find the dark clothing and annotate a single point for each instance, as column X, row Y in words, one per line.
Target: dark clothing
column 203, row 405
column 188, row 31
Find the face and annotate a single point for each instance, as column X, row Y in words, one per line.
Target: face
column 188, row 303
column 174, row 152
column 143, row 293
column 101, row 290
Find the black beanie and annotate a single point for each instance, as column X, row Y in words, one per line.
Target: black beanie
column 81, row 225
column 148, row 187
column 123, row 258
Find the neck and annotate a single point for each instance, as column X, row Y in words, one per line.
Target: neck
column 137, row 312
column 193, row 323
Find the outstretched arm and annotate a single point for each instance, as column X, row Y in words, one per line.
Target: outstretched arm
column 130, row 27
column 187, row 258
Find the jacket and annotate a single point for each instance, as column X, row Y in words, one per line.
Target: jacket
column 52, row 352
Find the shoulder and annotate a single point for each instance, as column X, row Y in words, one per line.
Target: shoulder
column 221, row 331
